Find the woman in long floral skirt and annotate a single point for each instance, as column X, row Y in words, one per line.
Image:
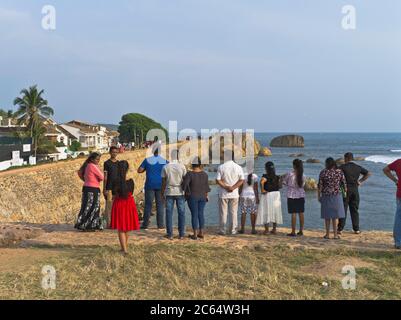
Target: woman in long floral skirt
column 89, row 215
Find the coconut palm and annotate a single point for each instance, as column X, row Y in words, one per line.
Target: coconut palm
column 31, row 108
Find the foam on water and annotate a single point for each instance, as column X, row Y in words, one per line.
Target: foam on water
column 382, row 159
column 395, row 150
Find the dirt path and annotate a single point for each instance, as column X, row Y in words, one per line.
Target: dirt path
column 65, row 236
column 62, row 238
column 17, row 259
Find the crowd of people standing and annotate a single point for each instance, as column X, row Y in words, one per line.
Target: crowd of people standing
column 169, row 184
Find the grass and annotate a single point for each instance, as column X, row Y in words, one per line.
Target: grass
column 193, row 271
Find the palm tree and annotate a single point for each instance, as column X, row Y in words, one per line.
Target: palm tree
column 31, row 107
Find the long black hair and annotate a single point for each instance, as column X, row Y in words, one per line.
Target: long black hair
column 331, row 164
column 271, row 177
column 250, row 179
column 121, row 183
column 91, row 159
column 270, row 169
column 299, row 170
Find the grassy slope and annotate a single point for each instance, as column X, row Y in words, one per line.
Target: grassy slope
column 190, row 271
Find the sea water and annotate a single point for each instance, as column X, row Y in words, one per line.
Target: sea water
column 378, row 194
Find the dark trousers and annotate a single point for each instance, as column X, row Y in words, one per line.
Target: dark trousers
column 151, row 195
column 351, row 202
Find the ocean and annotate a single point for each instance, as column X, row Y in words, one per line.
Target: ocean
column 377, row 206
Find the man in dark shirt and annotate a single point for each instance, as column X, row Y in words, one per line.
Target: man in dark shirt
column 110, row 177
column 352, row 173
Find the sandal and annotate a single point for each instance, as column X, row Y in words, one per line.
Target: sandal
column 194, row 237
column 326, row 237
column 291, row 234
column 254, row 232
column 337, row 238
column 300, row 233
column 201, row 236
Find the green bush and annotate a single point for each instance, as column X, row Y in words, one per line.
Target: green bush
column 60, row 144
column 75, row 146
column 135, row 126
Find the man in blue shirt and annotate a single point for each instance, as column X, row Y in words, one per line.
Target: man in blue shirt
column 153, row 166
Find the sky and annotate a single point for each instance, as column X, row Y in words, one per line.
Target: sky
column 282, row 65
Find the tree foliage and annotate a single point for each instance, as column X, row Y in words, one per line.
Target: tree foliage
column 75, row 146
column 31, row 107
column 135, row 126
column 6, row 114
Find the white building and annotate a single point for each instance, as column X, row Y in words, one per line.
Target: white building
column 91, row 136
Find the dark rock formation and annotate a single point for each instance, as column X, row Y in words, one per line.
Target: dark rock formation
column 288, row 141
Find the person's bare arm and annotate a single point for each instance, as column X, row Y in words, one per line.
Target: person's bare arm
column 262, row 186
column 390, row 175
column 280, row 183
column 238, row 184
column 365, row 177
column 164, row 182
column 223, row 185
column 240, row 189
column 256, row 190
column 141, row 170
column 105, row 184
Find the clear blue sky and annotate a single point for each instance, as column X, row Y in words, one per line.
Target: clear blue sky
column 283, row 65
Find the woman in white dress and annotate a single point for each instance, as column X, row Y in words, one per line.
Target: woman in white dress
column 269, row 210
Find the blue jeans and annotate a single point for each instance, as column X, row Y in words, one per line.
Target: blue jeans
column 150, row 195
column 197, row 207
column 180, row 201
column 397, row 224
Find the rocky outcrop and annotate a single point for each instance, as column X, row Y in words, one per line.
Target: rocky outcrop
column 51, row 193
column 296, row 155
column 311, row 184
column 265, row 152
column 13, row 234
column 219, row 143
column 288, row 141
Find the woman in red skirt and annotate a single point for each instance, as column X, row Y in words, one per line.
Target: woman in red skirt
column 124, row 216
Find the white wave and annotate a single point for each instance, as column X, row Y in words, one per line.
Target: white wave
column 399, row 150
column 382, row 159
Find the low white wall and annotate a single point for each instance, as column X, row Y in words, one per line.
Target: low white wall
column 5, row 165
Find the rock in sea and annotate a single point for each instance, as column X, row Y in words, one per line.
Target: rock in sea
column 288, row 141
column 310, row 184
column 265, row 152
column 313, row 161
column 296, row 155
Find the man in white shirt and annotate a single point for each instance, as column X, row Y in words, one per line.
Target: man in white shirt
column 172, row 177
column 230, row 177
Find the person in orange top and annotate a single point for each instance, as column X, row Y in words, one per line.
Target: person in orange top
column 91, row 174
